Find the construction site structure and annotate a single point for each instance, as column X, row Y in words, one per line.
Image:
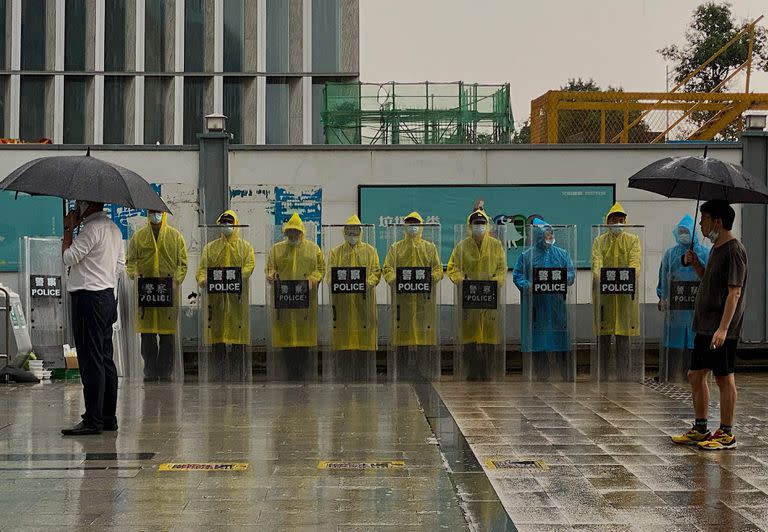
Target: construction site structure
column 416, row 113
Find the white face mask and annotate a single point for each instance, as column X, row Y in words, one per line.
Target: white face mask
column 412, row 230
column 227, row 229
column 549, row 243
column 352, row 239
column 156, row 217
column 712, row 236
column 684, row 238
column 478, row 229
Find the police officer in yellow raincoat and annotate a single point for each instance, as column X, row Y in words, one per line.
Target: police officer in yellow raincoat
column 228, row 322
column 354, row 316
column 478, row 257
column 294, row 329
column 157, row 251
column 413, row 317
column 616, row 316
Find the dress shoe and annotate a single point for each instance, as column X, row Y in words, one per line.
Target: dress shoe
column 109, row 427
column 81, row 429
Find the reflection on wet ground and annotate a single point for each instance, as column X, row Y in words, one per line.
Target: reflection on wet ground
column 610, row 463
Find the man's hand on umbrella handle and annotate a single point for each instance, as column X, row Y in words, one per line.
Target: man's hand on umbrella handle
column 690, row 258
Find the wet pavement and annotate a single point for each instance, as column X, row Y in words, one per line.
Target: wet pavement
column 608, row 462
column 554, row 456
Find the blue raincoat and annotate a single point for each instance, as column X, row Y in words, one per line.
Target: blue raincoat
column 678, row 331
column 548, row 331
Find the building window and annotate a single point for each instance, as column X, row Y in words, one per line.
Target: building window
column 32, row 101
column 194, row 105
column 233, row 108
column 325, row 35
column 278, row 35
column 155, row 36
column 318, row 133
column 74, row 35
column 74, row 110
column 33, row 34
column 3, row 86
column 194, row 35
column 115, row 109
column 156, row 92
column 234, row 30
column 114, row 35
column 277, row 111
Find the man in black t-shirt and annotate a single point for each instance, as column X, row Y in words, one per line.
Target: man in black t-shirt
column 717, row 321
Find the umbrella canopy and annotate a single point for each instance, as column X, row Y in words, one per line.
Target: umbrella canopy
column 702, row 178
column 84, row 178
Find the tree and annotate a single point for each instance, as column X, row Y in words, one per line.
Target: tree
column 712, row 26
column 522, row 135
column 583, row 126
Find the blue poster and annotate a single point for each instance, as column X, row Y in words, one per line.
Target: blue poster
column 512, row 205
column 308, row 204
column 26, row 215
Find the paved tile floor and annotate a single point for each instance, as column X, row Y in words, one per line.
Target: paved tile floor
column 610, row 463
column 282, row 431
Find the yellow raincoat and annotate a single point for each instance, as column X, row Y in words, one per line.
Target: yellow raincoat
column 165, row 256
column 487, row 262
column 414, row 316
column 616, row 314
column 227, row 315
column 304, row 260
column 354, row 323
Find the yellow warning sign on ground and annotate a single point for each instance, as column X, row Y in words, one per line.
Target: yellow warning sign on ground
column 507, row 463
column 348, row 465
column 203, row 466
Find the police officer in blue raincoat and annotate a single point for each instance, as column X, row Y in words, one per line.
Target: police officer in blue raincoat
column 544, row 317
column 676, row 301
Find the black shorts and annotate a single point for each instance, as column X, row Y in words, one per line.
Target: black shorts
column 721, row 361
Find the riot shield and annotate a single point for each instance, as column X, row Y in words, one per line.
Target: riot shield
column 349, row 335
column 413, row 269
column 546, row 277
column 223, row 276
column 156, row 267
column 43, row 293
column 676, row 290
column 478, row 270
column 618, row 297
column 293, row 274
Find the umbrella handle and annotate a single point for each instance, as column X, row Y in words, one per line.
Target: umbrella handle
column 695, row 219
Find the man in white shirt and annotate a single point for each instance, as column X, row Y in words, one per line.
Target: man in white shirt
column 95, row 259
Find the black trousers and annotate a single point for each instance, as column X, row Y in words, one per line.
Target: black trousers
column 93, row 314
column 227, row 364
column 157, row 350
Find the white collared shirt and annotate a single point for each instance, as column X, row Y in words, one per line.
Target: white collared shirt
column 96, row 257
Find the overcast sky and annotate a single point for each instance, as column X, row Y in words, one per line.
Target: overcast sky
column 534, row 45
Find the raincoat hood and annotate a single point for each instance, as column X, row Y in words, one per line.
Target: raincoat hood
column 235, row 221
column 415, row 215
column 687, row 223
column 294, row 223
column 481, row 213
column 617, row 208
column 539, row 227
column 353, row 220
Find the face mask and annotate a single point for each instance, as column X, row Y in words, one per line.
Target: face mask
column 712, row 236
column 684, row 239
column 413, row 230
column 616, row 229
column 156, row 217
column 293, row 241
column 478, row 229
column 549, row 243
column 227, row 230
column 352, row 239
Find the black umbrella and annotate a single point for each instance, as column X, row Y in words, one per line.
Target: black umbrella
column 84, row 178
column 700, row 178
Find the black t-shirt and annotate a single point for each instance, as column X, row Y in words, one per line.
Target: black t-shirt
column 727, row 266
